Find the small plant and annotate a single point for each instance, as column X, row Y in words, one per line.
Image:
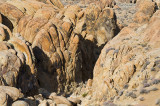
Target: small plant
column 154, row 89
column 146, row 85
column 131, row 94
column 155, row 81
column 126, row 86
column 121, row 93
column 144, row 91
column 152, row 69
column 141, row 99
column 84, row 95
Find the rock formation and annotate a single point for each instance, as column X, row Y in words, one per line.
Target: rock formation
column 62, row 52
column 58, row 38
column 126, row 68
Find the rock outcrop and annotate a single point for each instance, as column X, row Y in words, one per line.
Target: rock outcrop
column 59, row 37
column 127, row 66
column 103, row 52
column 17, row 65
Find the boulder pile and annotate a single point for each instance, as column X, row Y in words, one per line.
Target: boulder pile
column 85, row 52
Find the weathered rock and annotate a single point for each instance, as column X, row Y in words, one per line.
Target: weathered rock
column 127, row 59
column 11, row 12
column 14, row 93
column 20, row 103
column 102, row 25
column 146, row 9
column 10, row 66
column 14, row 72
column 17, row 61
column 52, row 95
column 57, row 3
column 3, row 99
column 43, row 103
column 61, row 100
column 124, row 14
column 74, row 100
column 2, row 34
column 58, row 39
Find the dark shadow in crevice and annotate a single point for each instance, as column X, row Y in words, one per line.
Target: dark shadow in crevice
column 7, row 22
column 117, row 29
column 46, row 72
column 90, row 53
column 27, row 81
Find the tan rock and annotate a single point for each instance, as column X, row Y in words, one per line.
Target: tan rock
column 2, row 34
column 43, row 103
column 146, row 9
column 74, row 100
column 20, row 103
column 57, row 3
column 98, row 27
column 52, row 95
column 61, row 100
column 54, row 34
column 11, row 12
column 125, row 61
column 3, row 99
column 14, row 93
column 89, row 83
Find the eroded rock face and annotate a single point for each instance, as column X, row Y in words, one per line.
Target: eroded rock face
column 47, row 44
column 146, row 9
column 100, row 25
column 59, row 38
column 3, row 99
column 126, row 62
column 17, row 66
column 15, row 71
column 20, row 103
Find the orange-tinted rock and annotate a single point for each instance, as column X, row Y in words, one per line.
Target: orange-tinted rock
column 57, row 3
column 97, row 24
column 14, row 93
column 11, row 12
column 61, row 54
column 126, row 60
column 2, row 34
column 146, row 9
column 15, row 68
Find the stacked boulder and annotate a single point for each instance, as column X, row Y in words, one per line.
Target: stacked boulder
column 58, row 38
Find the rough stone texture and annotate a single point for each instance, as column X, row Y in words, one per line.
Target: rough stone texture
column 124, row 14
column 57, row 3
column 14, row 93
column 54, row 45
column 20, row 103
column 11, row 12
column 59, row 37
column 61, row 100
column 100, row 25
column 128, row 59
column 3, row 99
column 145, row 10
column 17, row 67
